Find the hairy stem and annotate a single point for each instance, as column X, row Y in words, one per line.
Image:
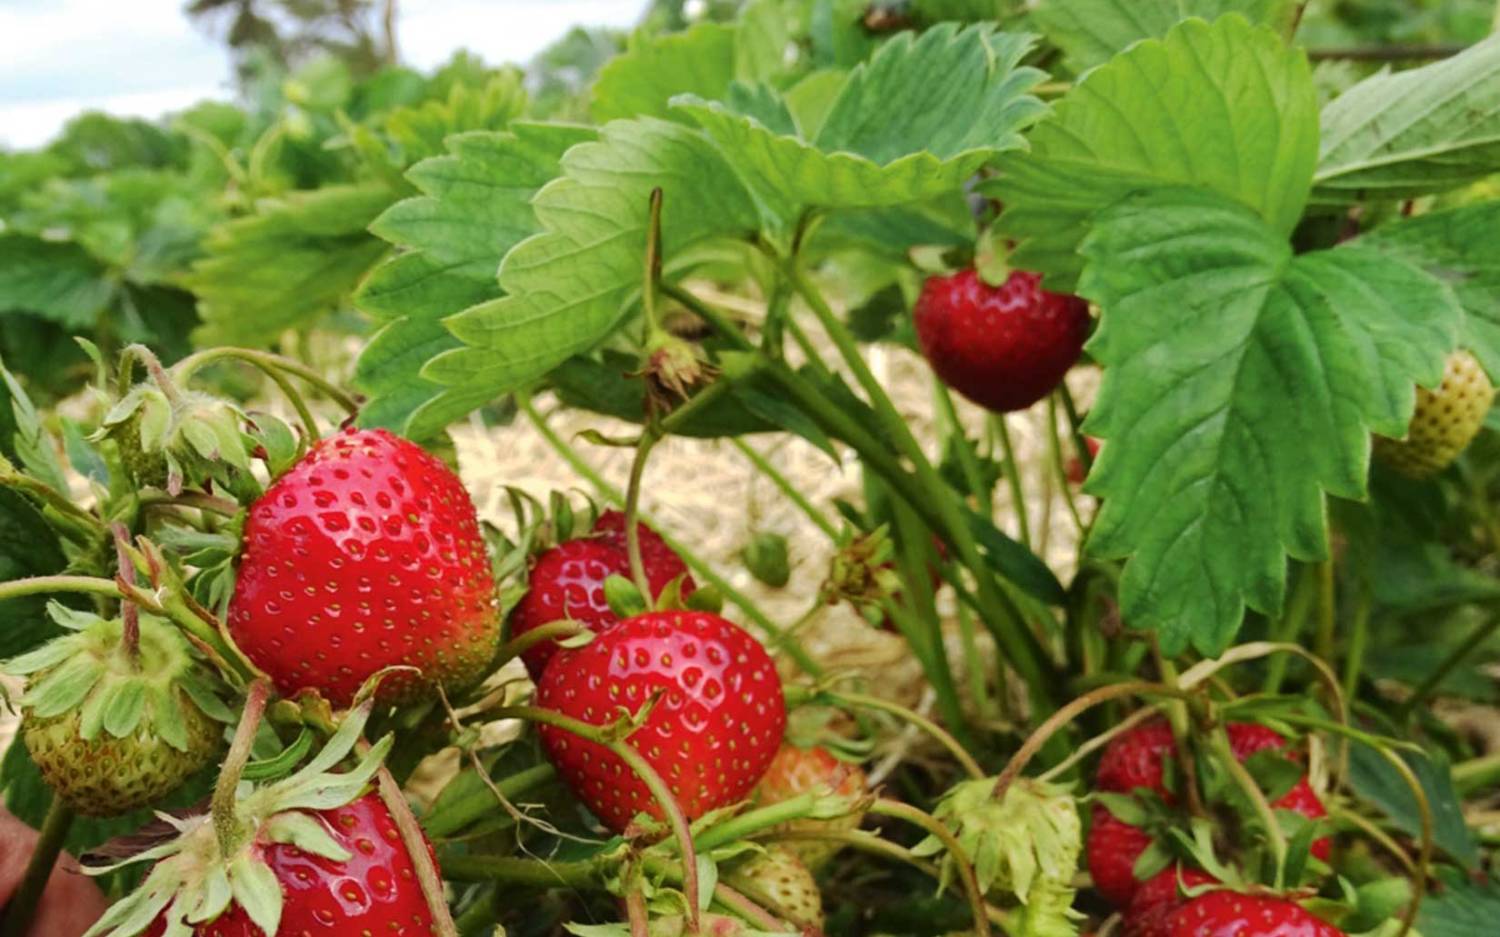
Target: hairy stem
column 632, row 514
column 416, row 847
column 226, row 825
column 1013, row 478
column 960, row 754
column 633, row 759
column 900, row 811
column 23, row 904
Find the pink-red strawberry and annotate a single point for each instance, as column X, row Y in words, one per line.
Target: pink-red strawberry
column 717, row 721
column 1074, row 469
column 796, row 771
column 364, row 555
column 567, row 581
column 1004, row 347
column 375, row 891
column 1231, row 914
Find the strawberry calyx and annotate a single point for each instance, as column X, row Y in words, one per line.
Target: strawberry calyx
column 155, row 708
column 212, row 864
column 1027, row 842
column 172, row 439
column 862, row 571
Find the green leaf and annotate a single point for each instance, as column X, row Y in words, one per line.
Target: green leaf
column 28, row 547
column 1415, row 132
column 295, row 259
column 1374, row 779
column 58, row 282
column 605, row 386
column 475, row 206
column 1461, row 908
column 1090, row 32
column 1226, row 107
column 653, row 69
column 1210, row 329
column 912, row 124
column 1457, row 246
column 570, row 286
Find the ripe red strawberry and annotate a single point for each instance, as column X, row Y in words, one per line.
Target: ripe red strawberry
column 1158, row 898
column 1231, row 914
column 567, row 581
column 1444, row 422
column 796, row 771
column 1112, row 848
column 714, row 729
column 1136, row 759
column 658, row 558
column 1074, row 469
column 1004, row 347
column 374, row 892
column 364, row 555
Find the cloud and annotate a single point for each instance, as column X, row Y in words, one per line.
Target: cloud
column 144, row 58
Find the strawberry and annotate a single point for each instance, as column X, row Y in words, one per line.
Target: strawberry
column 1445, row 421
column 1159, row 897
column 655, row 553
column 711, row 733
column 796, row 771
column 374, row 891
column 112, row 731
column 1231, row 914
column 1136, row 760
column 1004, row 347
column 779, row 881
column 1112, row 848
column 366, row 554
column 567, row 581
column 315, row 852
column 1074, row 469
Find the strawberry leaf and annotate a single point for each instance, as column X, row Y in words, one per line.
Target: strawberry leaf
column 571, row 286
column 296, row 258
column 1457, row 246
column 475, row 206
column 59, row 282
column 1209, row 327
column 890, row 136
column 1414, row 132
column 1091, row 31
column 1461, row 908
column 1226, row 107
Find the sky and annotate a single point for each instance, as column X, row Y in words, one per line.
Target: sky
column 144, row 58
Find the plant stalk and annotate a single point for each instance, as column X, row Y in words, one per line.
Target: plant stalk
column 20, row 910
column 226, row 825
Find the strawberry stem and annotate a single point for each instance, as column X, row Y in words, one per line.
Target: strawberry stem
column 632, row 512
column 268, row 363
column 702, row 570
column 746, row 908
column 635, row 905
column 653, row 270
column 159, row 375
column 15, row 921
column 1257, row 798
column 671, row 810
column 1013, row 477
column 130, row 633
column 785, row 486
column 221, row 807
column 946, row 739
column 416, row 847
column 520, row 644
column 1067, row 714
column 900, row 811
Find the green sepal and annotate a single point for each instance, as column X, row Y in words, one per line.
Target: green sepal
column 623, row 597
column 307, row 834
column 255, row 889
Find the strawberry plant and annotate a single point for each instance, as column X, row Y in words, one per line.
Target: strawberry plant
column 1186, row 539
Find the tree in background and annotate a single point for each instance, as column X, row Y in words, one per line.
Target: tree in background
column 286, row 33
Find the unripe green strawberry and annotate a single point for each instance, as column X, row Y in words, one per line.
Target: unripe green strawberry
column 796, row 771
column 179, row 439
column 112, row 731
column 1445, row 421
column 781, row 883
